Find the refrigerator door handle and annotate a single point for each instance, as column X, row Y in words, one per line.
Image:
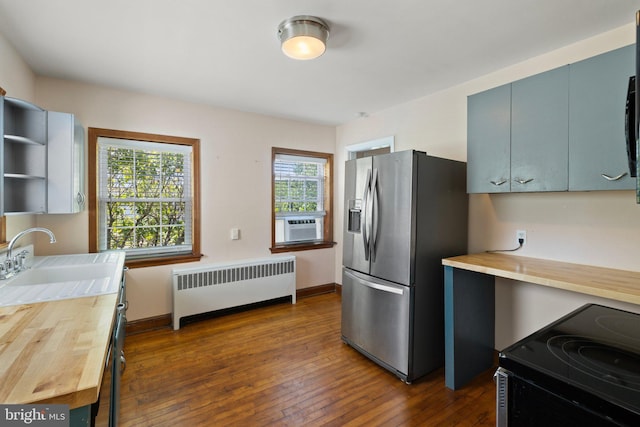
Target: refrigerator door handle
column 378, row 286
column 374, row 215
column 383, row 288
column 365, row 210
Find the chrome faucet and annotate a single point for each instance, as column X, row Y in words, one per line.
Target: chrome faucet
column 11, row 264
column 27, row 231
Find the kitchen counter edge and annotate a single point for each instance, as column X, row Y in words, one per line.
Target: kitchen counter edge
column 620, row 285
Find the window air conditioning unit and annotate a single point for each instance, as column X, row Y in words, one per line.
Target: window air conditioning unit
column 300, row 229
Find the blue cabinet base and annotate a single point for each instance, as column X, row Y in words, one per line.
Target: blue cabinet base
column 469, row 325
column 80, row 416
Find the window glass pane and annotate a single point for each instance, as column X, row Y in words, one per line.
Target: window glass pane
column 311, row 190
column 298, row 191
column 119, row 173
column 147, row 214
column 146, row 196
column 173, row 175
column 120, row 214
column 147, row 171
column 173, row 235
column 147, row 237
column 173, row 213
column 120, row 238
column 298, row 185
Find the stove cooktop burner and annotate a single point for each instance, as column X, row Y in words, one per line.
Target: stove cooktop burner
column 595, row 349
column 621, row 327
column 603, row 360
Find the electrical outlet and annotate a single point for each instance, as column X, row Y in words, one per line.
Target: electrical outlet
column 521, row 235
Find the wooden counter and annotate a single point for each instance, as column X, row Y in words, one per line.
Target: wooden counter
column 620, row 285
column 469, row 289
column 55, row 352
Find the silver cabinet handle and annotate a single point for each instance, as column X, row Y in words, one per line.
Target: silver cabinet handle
column 613, row 178
column 500, row 182
column 522, row 180
column 123, row 362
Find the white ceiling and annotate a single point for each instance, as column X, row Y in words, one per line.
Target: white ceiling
column 225, row 52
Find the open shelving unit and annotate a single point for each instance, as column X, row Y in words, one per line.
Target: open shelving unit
column 23, row 155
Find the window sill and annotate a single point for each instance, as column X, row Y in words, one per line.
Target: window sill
column 304, row 246
column 155, row 261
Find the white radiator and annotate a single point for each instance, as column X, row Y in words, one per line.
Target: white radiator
column 213, row 287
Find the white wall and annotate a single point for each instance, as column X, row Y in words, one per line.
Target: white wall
column 15, row 75
column 599, row 228
column 235, row 181
column 17, row 79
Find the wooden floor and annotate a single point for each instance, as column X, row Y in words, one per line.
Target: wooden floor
column 281, row 365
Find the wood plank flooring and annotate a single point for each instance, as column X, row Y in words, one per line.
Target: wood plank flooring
column 280, row 365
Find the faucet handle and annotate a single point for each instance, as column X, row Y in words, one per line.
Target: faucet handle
column 8, row 265
column 20, row 261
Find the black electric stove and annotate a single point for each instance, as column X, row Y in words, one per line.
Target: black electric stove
column 584, row 366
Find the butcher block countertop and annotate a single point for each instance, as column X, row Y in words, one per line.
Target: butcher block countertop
column 620, row 285
column 55, row 352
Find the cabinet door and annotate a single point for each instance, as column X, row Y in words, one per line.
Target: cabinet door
column 393, row 219
column 597, row 145
column 539, row 132
column 376, row 318
column 65, row 183
column 489, row 141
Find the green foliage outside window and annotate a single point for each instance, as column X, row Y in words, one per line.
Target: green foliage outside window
column 298, row 186
column 145, row 204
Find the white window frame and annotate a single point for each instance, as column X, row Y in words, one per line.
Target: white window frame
column 104, row 144
column 319, row 179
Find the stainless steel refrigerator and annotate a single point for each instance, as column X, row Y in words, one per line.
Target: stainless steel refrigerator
column 404, row 212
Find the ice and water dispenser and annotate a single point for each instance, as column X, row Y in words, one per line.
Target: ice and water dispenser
column 355, row 212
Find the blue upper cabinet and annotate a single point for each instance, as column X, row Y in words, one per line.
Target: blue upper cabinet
column 489, row 141
column 560, row 130
column 517, row 135
column 597, row 145
column 539, row 132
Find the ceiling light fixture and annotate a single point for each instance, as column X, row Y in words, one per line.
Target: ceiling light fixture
column 303, row 36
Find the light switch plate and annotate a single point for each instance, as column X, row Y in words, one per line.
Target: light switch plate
column 235, row 234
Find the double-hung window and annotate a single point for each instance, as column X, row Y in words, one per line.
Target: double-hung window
column 146, row 202
column 301, row 188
